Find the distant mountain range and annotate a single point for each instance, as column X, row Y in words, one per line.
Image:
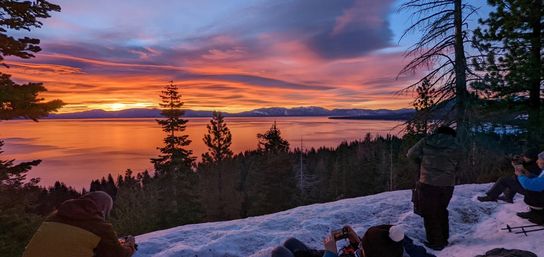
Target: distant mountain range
column 400, row 114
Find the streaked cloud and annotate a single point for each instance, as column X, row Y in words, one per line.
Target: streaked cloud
column 231, row 56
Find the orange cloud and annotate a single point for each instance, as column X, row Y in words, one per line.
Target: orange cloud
column 236, row 78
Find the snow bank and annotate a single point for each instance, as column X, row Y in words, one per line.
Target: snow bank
column 475, row 227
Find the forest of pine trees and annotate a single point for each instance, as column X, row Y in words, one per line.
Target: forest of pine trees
column 476, row 79
column 274, row 177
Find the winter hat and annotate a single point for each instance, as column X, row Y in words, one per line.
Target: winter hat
column 102, row 200
column 383, row 241
column 541, row 156
column 396, row 233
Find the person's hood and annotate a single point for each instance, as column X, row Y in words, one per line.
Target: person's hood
column 441, row 141
column 80, row 209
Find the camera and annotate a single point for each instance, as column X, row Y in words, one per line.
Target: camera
column 340, row 234
column 124, row 239
column 517, row 160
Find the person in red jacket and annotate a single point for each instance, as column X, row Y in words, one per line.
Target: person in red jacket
column 79, row 228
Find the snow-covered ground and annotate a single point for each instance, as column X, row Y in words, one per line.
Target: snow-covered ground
column 475, row 227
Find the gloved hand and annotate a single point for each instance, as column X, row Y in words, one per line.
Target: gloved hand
column 129, row 241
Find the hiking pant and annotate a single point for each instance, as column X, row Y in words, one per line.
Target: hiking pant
column 509, row 185
column 434, row 207
column 534, row 199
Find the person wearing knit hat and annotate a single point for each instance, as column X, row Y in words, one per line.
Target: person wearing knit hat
column 102, row 200
column 383, row 241
column 509, row 185
column 378, row 241
column 78, row 228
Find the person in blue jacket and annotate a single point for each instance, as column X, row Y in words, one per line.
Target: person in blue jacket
column 509, row 185
column 378, row 241
column 534, row 195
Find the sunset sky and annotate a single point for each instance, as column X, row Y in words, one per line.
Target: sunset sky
column 233, row 55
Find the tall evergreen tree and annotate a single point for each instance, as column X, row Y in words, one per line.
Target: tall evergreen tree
column 21, row 101
column 271, row 140
column 511, row 43
column 176, row 181
column 174, row 156
column 218, row 140
column 423, row 105
column 18, row 194
column 442, row 48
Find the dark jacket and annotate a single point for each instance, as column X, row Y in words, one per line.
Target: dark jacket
column 534, row 189
column 77, row 228
column 439, row 155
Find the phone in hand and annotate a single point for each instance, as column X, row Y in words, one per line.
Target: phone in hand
column 340, row 234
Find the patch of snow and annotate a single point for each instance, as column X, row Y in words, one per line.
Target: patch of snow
column 475, row 227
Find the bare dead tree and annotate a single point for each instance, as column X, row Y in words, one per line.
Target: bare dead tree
column 441, row 51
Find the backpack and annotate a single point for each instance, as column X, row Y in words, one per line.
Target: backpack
column 501, row 252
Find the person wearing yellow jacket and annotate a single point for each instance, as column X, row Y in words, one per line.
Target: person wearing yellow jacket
column 79, row 228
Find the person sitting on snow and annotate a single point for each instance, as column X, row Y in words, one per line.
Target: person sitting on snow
column 378, row 241
column 78, row 228
column 509, row 186
column 534, row 192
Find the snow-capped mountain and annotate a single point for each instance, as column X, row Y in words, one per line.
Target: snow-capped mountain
column 263, row 112
column 475, row 227
column 278, row 111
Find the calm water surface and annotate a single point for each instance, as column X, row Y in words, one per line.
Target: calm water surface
column 76, row 151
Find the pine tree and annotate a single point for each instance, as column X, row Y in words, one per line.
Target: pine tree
column 218, row 140
column 271, row 141
column 17, row 195
column 423, row 105
column 271, row 177
column 176, row 181
column 174, row 157
column 14, row 176
column 21, row 101
column 511, row 43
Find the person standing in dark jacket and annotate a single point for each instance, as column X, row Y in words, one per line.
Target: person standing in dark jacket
column 439, row 156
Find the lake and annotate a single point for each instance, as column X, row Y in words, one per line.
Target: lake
column 78, row 150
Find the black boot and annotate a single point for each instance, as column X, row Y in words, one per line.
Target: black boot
column 531, row 214
column 537, row 217
column 435, row 247
column 486, row 198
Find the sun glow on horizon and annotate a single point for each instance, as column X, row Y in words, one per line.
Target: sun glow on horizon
column 116, row 106
column 123, row 106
